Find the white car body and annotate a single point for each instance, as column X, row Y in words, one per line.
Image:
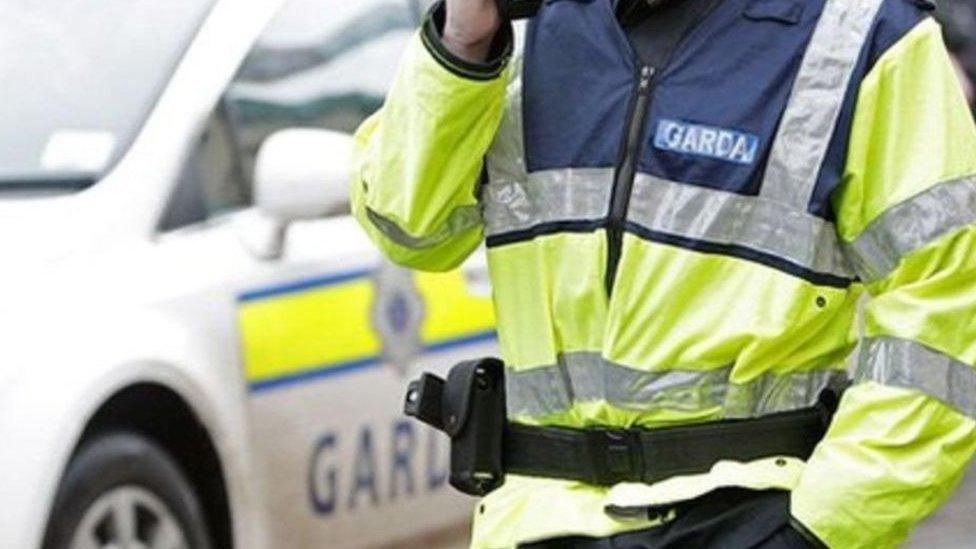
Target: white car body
column 94, row 300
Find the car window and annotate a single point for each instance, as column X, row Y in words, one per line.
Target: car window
column 211, row 182
column 319, row 64
column 79, row 80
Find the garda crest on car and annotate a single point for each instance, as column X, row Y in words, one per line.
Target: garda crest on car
column 398, row 313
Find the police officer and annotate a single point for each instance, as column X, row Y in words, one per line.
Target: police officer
column 683, row 204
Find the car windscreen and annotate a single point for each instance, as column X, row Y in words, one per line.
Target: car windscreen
column 79, row 79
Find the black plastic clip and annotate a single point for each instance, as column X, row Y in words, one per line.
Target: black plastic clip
column 619, row 454
column 425, row 400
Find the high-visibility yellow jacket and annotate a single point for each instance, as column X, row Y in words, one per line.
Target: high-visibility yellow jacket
column 689, row 243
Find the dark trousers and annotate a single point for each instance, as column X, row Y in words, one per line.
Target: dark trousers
column 730, row 518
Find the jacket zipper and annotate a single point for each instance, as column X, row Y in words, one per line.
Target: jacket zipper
column 623, row 182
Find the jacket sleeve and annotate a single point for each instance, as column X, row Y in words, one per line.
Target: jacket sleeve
column 904, row 433
column 419, row 160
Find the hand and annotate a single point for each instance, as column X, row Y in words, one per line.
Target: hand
column 470, row 28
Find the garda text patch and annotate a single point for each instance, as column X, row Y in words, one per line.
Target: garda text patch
column 718, row 143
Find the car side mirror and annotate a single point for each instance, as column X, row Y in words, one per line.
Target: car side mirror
column 300, row 174
column 303, row 174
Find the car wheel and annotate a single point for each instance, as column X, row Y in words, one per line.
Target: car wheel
column 122, row 491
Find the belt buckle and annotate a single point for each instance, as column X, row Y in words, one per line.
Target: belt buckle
column 617, row 455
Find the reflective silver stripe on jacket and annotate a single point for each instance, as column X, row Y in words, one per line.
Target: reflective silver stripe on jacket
column 911, row 225
column 815, row 103
column 910, row 365
column 677, row 209
column 587, row 377
column 722, row 217
column 547, row 197
column 506, row 156
column 461, row 220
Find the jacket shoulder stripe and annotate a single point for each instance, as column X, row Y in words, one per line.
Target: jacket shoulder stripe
column 816, row 101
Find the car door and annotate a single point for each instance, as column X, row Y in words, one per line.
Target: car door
column 328, row 332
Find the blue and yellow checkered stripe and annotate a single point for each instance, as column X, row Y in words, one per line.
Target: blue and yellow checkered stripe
column 320, row 327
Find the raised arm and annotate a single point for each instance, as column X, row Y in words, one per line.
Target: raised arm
column 419, row 160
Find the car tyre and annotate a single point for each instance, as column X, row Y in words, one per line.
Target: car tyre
column 123, row 490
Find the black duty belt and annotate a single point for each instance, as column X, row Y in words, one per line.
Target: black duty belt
column 605, row 457
column 470, row 408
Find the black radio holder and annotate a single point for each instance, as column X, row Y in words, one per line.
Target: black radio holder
column 470, row 408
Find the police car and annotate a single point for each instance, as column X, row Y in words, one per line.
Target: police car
column 200, row 347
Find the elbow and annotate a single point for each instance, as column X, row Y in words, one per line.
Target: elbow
column 443, row 257
column 445, row 250
column 425, row 260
